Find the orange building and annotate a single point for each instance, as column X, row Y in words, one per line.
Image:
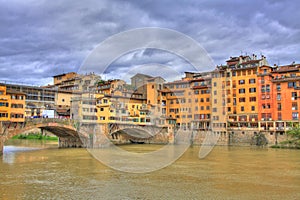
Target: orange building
column 187, row 102
column 266, row 98
column 17, row 106
column 242, row 95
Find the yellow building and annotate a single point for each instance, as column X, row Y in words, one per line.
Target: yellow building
column 67, row 78
column 63, row 98
column 12, row 105
column 4, row 104
column 220, row 84
column 117, row 102
column 121, row 109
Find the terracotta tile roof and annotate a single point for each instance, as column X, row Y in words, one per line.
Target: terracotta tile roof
column 251, row 61
column 288, row 68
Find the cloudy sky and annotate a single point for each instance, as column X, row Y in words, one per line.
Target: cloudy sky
column 39, row 39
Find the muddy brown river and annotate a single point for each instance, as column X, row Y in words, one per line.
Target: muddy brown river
column 39, row 170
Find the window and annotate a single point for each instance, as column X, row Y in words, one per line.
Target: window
column 278, row 87
column 234, row 73
column 252, row 108
column 242, row 99
column 196, row 92
column 294, row 95
column 101, row 109
column 291, row 84
column 242, row 108
column 3, row 104
column 252, row 99
column 207, row 107
column 279, row 106
column 267, row 88
column 278, row 96
column 214, row 109
column 215, row 101
column 252, row 90
column 252, row 80
column 294, row 106
column 242, row 90
column 295, row 115
column 229, row 109
column 215, row 92
column 265, row 71
column 207, row 99
column 279, row 116
column 241, row 82
column 215, row 84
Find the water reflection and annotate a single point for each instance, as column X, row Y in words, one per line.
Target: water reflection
column 10, row 151
column 12, row 147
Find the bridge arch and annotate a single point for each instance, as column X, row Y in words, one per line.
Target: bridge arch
column 136, row 133
column 64, row 130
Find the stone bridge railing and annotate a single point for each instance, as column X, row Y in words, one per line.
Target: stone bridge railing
column 36, row 121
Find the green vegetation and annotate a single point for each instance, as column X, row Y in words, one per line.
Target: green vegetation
column 259, row 140
column 294, row 142
column 35, row 136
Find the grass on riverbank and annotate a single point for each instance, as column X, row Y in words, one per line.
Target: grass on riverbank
column 289, row 144
column 294, row 140
column 35, row 136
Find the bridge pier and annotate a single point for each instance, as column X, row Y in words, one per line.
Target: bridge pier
column 1, row 146
column 68, row 142
column 1, row 139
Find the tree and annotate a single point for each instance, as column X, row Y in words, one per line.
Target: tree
column 294, row 132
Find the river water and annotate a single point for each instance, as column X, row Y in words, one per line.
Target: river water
column 35, row 170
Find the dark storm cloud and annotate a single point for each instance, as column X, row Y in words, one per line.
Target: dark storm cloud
column 39, row 39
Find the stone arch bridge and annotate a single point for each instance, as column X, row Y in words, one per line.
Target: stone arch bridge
column 75, row 134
